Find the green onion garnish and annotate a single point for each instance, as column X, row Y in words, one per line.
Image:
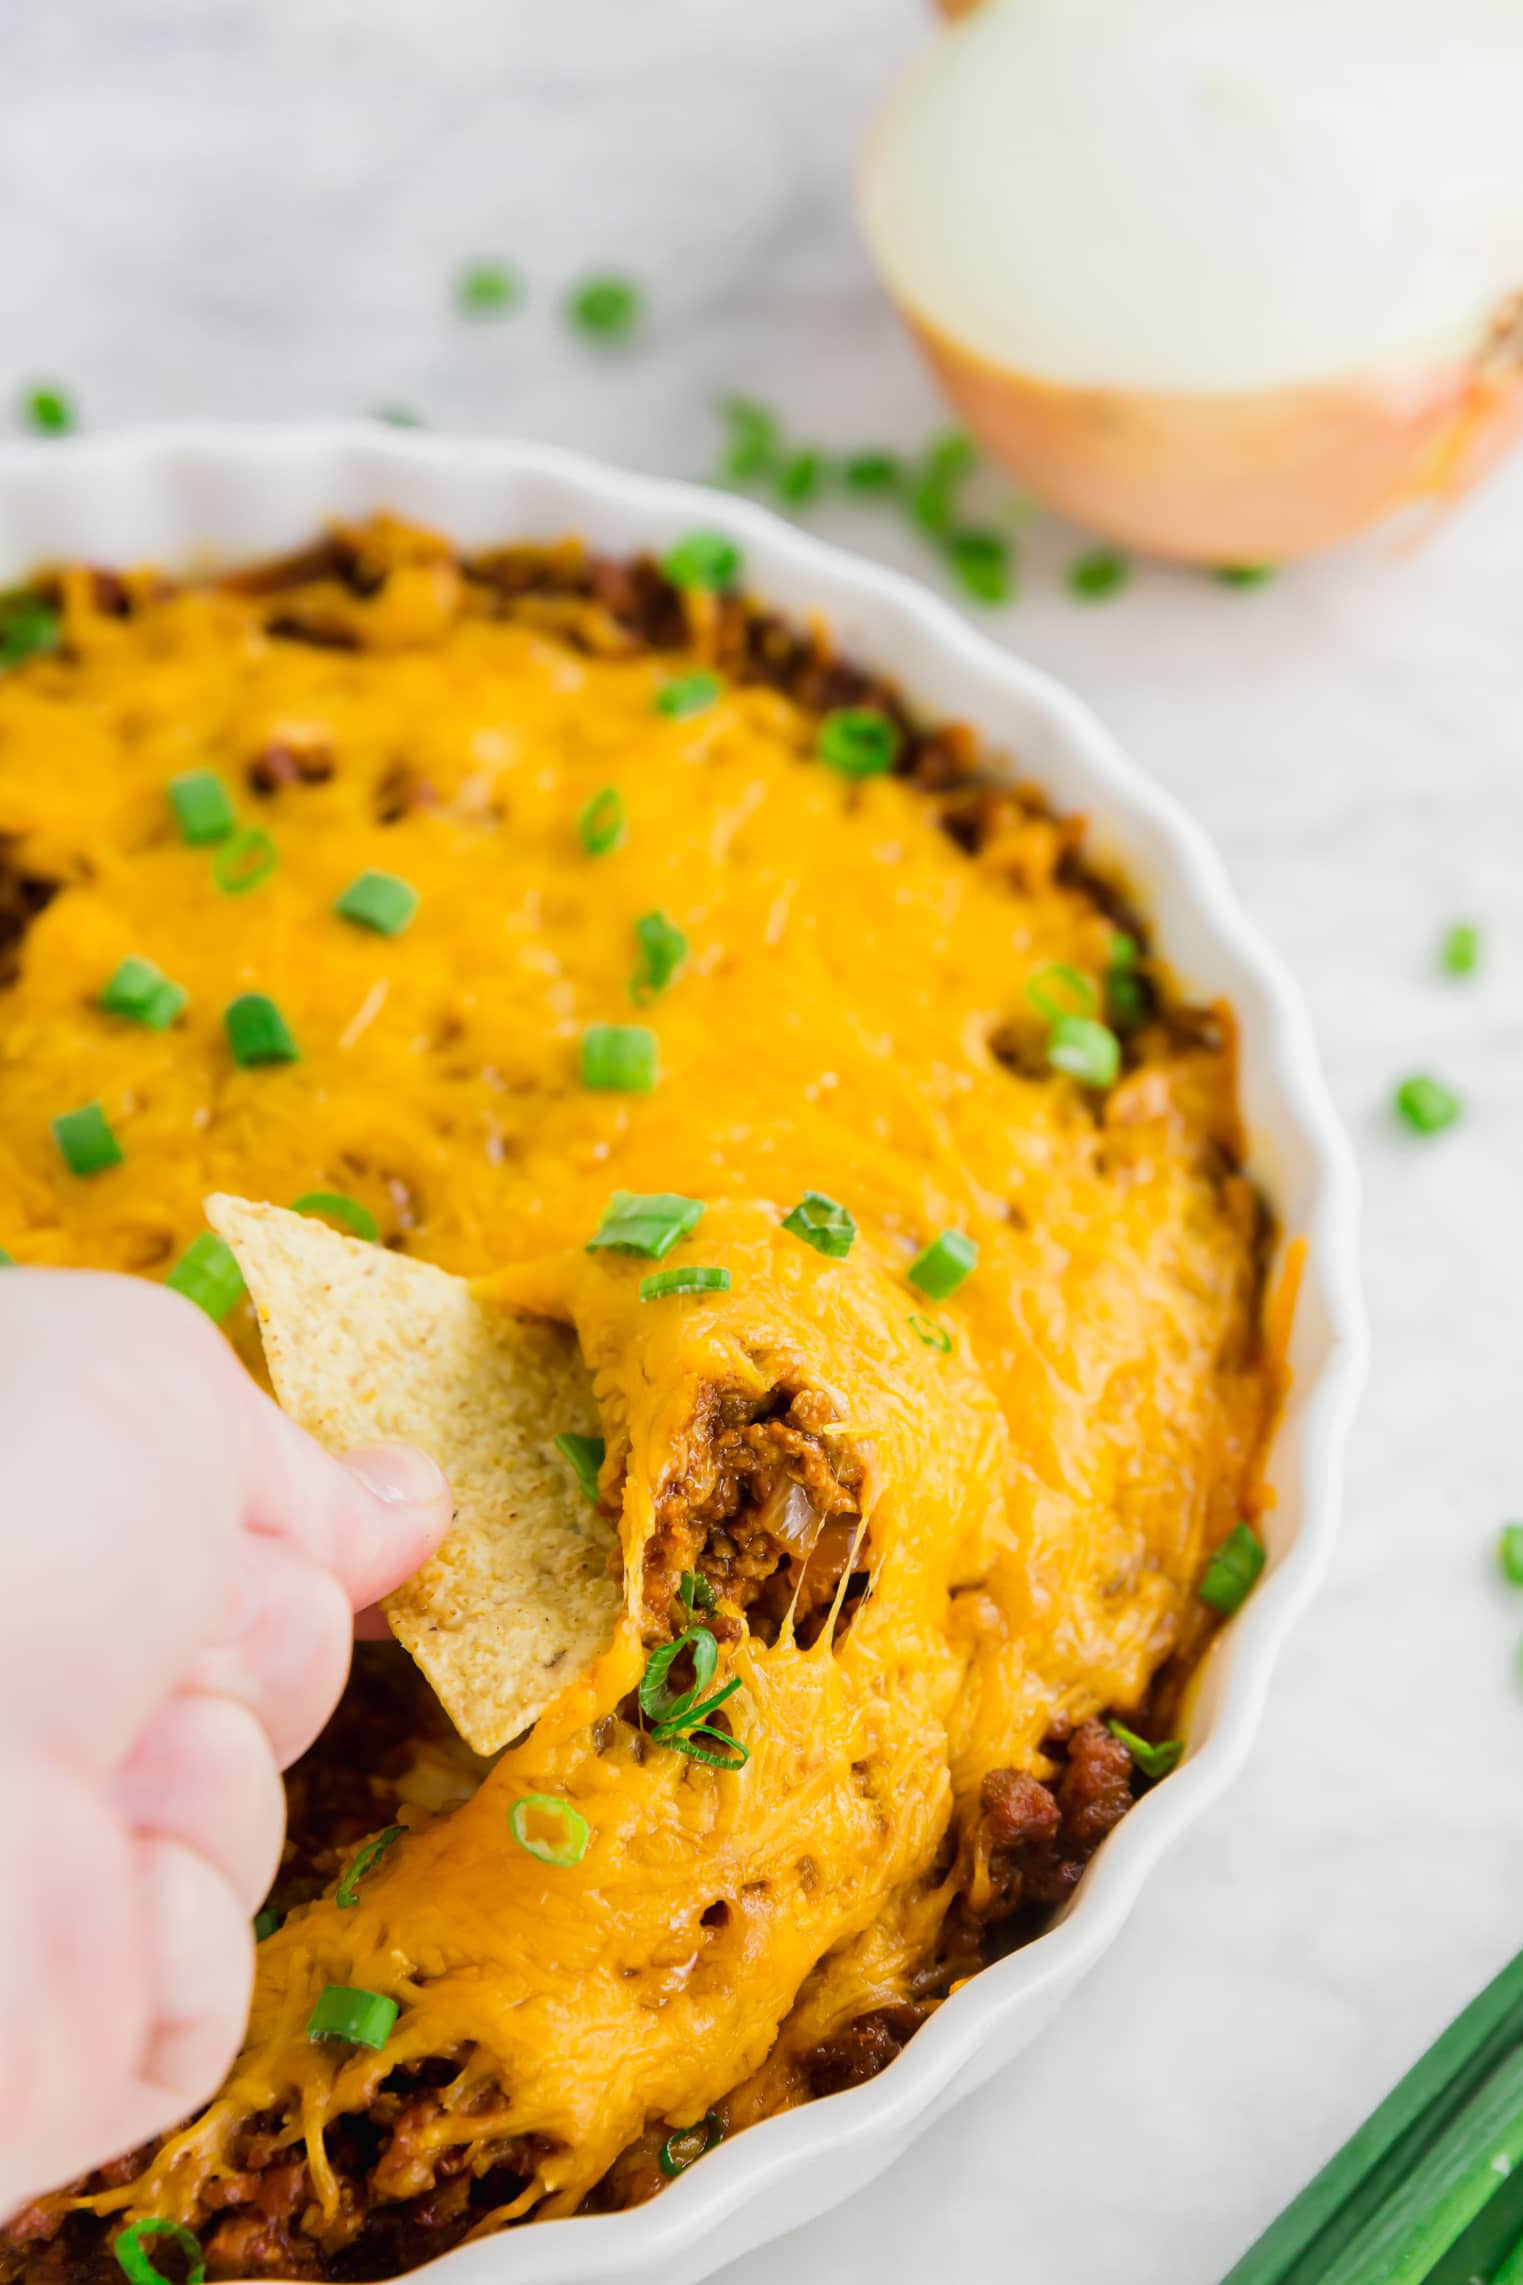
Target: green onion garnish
column 1103, row 572
column 143, row 994
column 605, row 308
column 981, row 563
column 207, row 1273
column 1427, row 1105
column 619, row 1058
column 242, row 863
column 858, row 741
column 1153, row 1760
column 488, row 289
column 347, row 1895
column 690, row 2143
column 29, row 627
column 135, row 2261
column 49, row 410
column 602, row 824
column 203, row 806
column 933, row 1335
column 1059, row 990
column 696, row 1278
column 933, row 495
column 1510, row 1553
column 363, row 2018
column 1232, row 1570
column 1127, row 994
column 7, row 1261
column 566, row 1843
column 257, row 1032
column 649, row 1225
column 338, row 1206
column 721, row 1752
column 823, row 1224
column 801, row 475
column 398, row 416
column 1245, row 574
column 703, row 559
column 85, row 1141
column 380, row 901
column 659, row 1703
column 585, row 1455
column 663, row 948
column 1087, row 1051
column 946, row 1262
column 689, row 694
column 753, row 441
column 1460, row 952
column 266, row 1921
column 695, row 1593
column 872, row 473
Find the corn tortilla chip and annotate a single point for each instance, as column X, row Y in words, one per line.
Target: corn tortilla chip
column 366, row 1346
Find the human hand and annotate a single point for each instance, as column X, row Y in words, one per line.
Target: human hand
column 179, row 1568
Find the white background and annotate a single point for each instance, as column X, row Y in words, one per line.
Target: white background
column 255, row 207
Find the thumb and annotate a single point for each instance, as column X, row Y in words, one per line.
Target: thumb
column 371, row 1518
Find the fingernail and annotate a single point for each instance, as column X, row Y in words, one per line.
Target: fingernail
column 399, row 1474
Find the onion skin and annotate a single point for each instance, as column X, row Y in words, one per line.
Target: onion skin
column 1259, row 476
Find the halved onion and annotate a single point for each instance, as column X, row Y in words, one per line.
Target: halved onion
column 1227, row 284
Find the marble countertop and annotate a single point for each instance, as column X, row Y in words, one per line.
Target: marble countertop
column 257, row 211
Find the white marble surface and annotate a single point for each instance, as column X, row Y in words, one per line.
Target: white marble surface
column 255, row 209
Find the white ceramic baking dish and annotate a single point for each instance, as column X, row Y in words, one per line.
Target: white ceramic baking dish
column 193, row 496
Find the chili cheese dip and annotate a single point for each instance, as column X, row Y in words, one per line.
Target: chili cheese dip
column 517, row 902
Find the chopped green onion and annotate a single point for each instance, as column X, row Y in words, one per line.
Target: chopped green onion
column 1460, row 953
column 619, row 1058
column 946, row 1262
column 801, row 475
column 823, row 1224
column 1232, row 1571
column 689, row 694
column 858, row 741
column 1087, row 1051
column 731, row 1754
column 663, row 948
column 49, row 410
column 85, row 1141
column 605, row 308
column 695, row 1593
column 7, row 1261
column 659, row 1703
column 753, row 441
column 266, row 1921
column 981, row 562
column 380, row 901
column 872, row 473
column 207, row 1273
column 1153, row 1760
column 135, row 2261
column 203, row 806
column 601, row 825
column 347, row 1895
column 569, row 1828
column 257, row 1032
column 398, row 416
column 1059, row 990
column 1103, row 572
column 1128, row 995
column 1510, row 1551
column 676, row 2155
column 338, row 1206
column 1427, row 1105
column 586, row 1455
column 694, row 1279
column 1245, row 574
column 143, row 994
column 29, row 627
column 488, row 289
column 703, row 559
column 933, row 495
column 649, row 1225
column 933, row 1335
column 363, row 2018
column 242, row 863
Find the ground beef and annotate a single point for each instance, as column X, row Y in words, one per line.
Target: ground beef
column 850, row 2057
column 23, row 895
column 1039, row 1838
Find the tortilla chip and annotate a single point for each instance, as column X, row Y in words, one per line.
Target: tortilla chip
column 366, row 1346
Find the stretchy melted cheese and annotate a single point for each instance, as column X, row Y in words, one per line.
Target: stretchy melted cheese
column 1033, row 1502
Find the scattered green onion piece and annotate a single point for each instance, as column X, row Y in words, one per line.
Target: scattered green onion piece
column 85, row 1141
column 488, row 289
column 673, row 2160
column 1460, row 953
column 619, row 1058
column 1059, row 990
column 398, row 416
column 823, row 1224
column 257, row 1032
column 8, row 1261
column 338, row 1206
column 207, row 1273
column 244, row 862
column 1128, row 995
column 380, row 901
column 663, row 948
column 1427, row 1105
column 944, row 1265
column 135, row 2261
column 601, row 825
column 933, row 1335
column 659, row 1704
column 731, row 1754
column 753, row 440
column 49, row 410
column 1153, row 1760
column 689, row 694
column 143, row 994
column 570, row 1825
column 933, row 493
column 649, row 1225
column 1094, row 577
column 695, row 1593
column 363, row 2018
column 872, row 473
column 1232, row 1571
column 1087, row 1051
column 266, row 1921
column 801, row 476
column 29, row 628
column 858, row 741
column 347, row 1895
column 1510, row 1553
column 203, row 806
column 693, row 1279
column 1245, row 574
column 606, row 308
column 981, row 563
column 585, row 1455
column 705, row 560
